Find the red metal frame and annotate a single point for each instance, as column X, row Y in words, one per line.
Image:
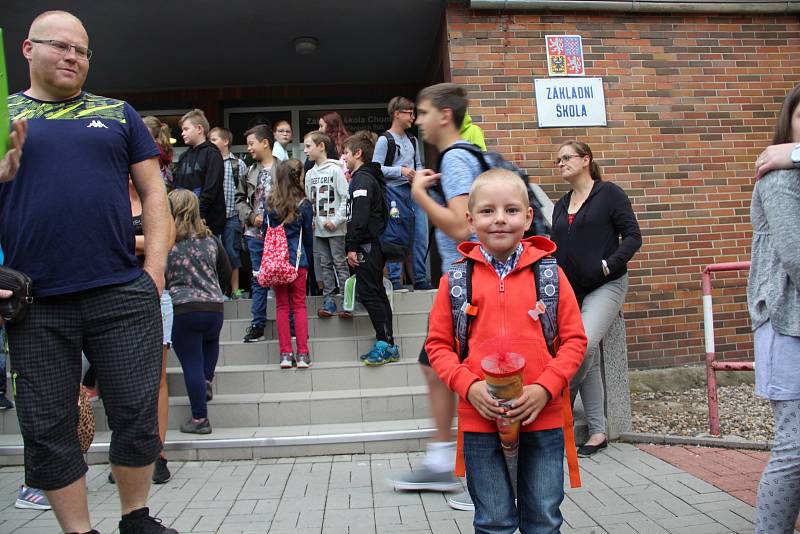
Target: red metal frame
column 712, row 366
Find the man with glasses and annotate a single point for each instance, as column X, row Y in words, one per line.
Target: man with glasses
column 398, row 153
column 66, row 223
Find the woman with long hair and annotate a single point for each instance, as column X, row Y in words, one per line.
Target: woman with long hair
column 597, row 234
column 332, row 125
column 160, row 132
column 195, row 265
column 773, row 300
column 287, row 205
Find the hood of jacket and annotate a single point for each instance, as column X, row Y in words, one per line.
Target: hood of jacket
column 374, row 170
column 534, row 248
column 326, row 166
column 467, row 122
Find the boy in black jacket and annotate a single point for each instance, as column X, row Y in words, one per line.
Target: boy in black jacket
column 367, row 216
column 200, row 169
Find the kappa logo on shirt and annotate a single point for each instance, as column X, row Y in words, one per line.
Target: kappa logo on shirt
column 96, row 124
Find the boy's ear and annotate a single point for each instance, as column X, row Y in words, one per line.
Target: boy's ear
column 447, row 115
column 528, row 218
column 471, row 222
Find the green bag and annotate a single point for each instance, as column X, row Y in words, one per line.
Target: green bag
column 349, row 301
column 4, row 119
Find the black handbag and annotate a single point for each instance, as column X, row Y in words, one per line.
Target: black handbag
column 15, row 307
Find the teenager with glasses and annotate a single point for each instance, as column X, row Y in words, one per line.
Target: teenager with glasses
column 283, row 137
column 597, row 234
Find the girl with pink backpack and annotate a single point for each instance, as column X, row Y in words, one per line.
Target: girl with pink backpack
column 287, row 254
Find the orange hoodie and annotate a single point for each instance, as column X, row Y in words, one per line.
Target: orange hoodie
column 503, row 314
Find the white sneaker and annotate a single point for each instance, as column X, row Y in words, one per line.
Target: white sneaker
column 462, row 501
column 426, row 479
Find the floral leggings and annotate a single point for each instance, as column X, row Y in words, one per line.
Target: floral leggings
column 779, row 489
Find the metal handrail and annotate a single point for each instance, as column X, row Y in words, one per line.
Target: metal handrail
column 712, row 365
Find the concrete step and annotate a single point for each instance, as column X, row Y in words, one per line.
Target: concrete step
column 322, row 376
column 403, row 301
column 246, row 443
column 359, row 325
column 287, row 408
column 334, row 349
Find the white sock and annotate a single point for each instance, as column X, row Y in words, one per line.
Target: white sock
column 440, row 456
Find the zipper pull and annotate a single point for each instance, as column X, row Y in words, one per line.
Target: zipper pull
column 14, row 384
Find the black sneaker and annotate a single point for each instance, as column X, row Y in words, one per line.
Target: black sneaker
column 423, row 286
column 140, row 522
column 161, row 474
column 253, row 334
column 196, row 427
column 5, row 404
column 111, row 478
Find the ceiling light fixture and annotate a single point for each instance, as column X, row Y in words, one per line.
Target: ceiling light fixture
column 305, row 46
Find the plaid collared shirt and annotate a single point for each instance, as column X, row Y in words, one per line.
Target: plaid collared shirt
column 503, row 267
column 228, row 185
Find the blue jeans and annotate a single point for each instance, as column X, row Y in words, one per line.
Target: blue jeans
column 258, row 293
column 540, row 483
column 232, row 240
column 418, row 259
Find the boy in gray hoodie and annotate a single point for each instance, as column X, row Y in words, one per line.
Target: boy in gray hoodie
column 327, row 189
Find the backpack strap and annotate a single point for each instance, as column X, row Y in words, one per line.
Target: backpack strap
column 415, row 145
column 469, row 147
column 475, row 150
column 459, row 285
column 391, row 148
column 546, row 279
column 235, row 171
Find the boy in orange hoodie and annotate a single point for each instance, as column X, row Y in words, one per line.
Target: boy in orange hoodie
column 503, row 291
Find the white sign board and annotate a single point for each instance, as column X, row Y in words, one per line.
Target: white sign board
column 570, row 102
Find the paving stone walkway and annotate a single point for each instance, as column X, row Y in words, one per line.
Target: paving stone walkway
column 625, row 490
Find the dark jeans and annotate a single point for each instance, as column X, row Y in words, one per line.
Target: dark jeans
column 540, row 483
column 258, row 293
column 370, row 291
column 195, row 337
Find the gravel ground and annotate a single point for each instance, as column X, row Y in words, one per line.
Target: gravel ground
column 685, row 413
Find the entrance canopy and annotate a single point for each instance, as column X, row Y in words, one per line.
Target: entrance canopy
column 156, row 45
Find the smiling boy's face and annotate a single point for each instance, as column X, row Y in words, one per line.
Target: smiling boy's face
column 499, row 215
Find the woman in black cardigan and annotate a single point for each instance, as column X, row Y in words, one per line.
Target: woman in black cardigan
column 597, row 234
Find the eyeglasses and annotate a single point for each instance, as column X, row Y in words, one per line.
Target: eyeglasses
column 283, row 131
column 81, row 52
column 409, row 111
column 565, row 158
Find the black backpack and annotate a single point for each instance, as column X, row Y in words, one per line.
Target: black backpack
column 391, row 148
column 493, row 160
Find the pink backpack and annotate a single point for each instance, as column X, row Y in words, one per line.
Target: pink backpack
column 276, row 270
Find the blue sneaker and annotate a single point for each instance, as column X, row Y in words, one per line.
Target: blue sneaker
column 31, row 499
column 380, row 354
column 328, row 309
column 392, row 354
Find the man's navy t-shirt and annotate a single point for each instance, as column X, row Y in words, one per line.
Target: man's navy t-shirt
column 65, row 219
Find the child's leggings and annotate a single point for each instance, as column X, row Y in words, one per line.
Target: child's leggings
column 195, row 338
column 292, row 297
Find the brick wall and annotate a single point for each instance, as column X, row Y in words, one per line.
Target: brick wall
column 691, row 100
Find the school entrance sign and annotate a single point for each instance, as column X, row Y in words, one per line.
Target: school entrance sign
column 570, row 102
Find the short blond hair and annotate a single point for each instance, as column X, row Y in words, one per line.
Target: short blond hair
column 196, row 117
column 493, row 176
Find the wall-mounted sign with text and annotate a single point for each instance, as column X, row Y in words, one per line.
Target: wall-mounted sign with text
column 564, row 55
column 570, row 102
